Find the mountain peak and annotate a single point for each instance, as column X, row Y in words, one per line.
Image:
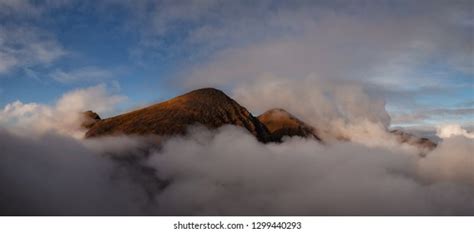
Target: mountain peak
column 205, row 97
column 208, row 92
column 89, row 118
column 422, row 143
column 281, row 123
column 209, row 107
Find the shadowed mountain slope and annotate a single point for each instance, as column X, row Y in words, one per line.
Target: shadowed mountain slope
column 208, row 107
column 89, row 118
column 422, row 143
column 281, row 123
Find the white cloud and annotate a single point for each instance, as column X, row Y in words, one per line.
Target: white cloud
column 332, row 39
column 64, row 117
column 230, row 173
column 452, row 160
column 447, row 131
column 393, row 50
column 339, row 109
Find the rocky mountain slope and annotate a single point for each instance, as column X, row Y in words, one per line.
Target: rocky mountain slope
column 208, row 107
column 212, row 108
column 422, row 143
column 281, row 123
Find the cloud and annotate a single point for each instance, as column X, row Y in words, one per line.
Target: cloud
column 23, row 41
column 453, row 160
column 405, row 52
column 6, row 62
column 64, row 117
column 55, row 175
column 423, row 115
column 27, row 46
column 447, row 131
column 340, row 109
column 84, row 74
column 230, row 173
column 330, row 38
column 226, row 171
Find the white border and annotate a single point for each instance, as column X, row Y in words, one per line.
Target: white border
column 165, row 224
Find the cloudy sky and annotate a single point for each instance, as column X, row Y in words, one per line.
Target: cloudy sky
column 351, row 69
column 415, row 56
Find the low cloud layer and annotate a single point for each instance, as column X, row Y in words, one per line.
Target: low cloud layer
column 228, row 172
column 57, row 175
column 303, row 177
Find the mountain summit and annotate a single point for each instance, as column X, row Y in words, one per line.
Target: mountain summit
column 422, row 143
column 208, row 107
column 212, row 108
column 281, row 123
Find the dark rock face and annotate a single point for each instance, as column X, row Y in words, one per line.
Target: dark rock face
column 89, row 119
column 208, row 107
column 280, row 123
column 423, row 143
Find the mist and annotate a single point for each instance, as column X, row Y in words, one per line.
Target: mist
column 338, row 109
column 228, row 172
column 57, row 175
column 231, row 173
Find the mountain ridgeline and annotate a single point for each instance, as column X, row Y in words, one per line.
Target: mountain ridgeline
column 281, row 123
column 207, row 107
column 211, row 108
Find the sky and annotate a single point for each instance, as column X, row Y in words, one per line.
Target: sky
column 416, row 56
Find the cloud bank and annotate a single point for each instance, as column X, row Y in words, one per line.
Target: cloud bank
column 451, row 130
column 340, row 109
column 64, row 117
column 230, row 173
column 58, row 175
column 226, row 171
